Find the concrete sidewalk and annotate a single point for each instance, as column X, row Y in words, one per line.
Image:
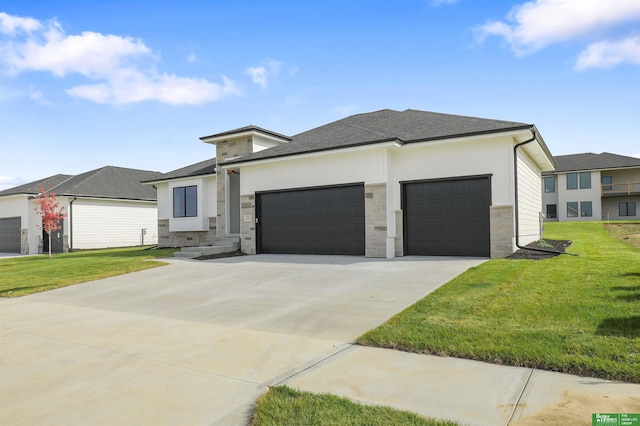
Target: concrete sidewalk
column 470, row 392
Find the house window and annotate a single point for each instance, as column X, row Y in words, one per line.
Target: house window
column 606, row 183
column 572, row 209
column 627, row 209
column 549, row 184
column 572, row 181
column 585, row 180
column 586, row 209
column 552, row 211
column 185, row 201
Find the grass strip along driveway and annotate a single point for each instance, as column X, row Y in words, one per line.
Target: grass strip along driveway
column 572, row 314
column 285, row 406
column 32, row 274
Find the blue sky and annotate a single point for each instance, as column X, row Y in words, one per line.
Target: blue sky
column 135, row 83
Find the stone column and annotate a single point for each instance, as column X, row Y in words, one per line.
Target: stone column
column 248, row 224
column 502, row 231
column 375, row 208
column 227, row 149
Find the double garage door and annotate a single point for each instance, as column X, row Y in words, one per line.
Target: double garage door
column 441, row 218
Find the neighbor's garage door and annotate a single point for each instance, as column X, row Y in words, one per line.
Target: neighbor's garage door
column 327, row 220
column 447, row 217
column 10, row 235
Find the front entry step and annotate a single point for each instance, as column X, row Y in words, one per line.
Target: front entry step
column 221, row 245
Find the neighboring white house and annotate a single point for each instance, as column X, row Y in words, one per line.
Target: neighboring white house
column 382, row 184
column 592, row 186
column 106, row 207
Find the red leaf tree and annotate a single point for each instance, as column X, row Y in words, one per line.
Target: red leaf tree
column 52, row 214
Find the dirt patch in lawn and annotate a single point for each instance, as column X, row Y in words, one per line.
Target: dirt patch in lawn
column 626, row 232
column 552, row 248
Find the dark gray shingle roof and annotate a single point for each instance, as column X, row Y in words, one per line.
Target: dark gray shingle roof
column 31, row 188
column 105, row 182
column 591, row 161
column 206, row 167
column 385, row 125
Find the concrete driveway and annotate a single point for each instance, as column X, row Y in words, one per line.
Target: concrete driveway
column 194, row 342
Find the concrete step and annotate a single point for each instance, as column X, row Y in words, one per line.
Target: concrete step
column 222, row 245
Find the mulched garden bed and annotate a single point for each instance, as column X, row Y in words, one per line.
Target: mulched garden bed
column 557, row 246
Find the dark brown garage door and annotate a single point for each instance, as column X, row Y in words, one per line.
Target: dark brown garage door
column 327, row 220
column 10, row 234
column 447, row 217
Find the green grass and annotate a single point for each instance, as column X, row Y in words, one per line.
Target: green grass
column 32, row 274
column 283, row 406
column 573, row 314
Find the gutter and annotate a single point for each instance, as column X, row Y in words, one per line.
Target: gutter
column 515, row 184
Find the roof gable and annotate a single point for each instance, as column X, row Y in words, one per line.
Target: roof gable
column 382, row 126
column 105, row 182
column 206, row 167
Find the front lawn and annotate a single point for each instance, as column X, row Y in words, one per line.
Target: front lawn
column 282, row 406
column 573, row 314
column 32, row 274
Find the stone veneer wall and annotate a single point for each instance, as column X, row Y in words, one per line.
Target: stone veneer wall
column 24, row 241
column 185, row 238
column 224, row 150
column 375, row 221
column 399, row 243
column 248, row 227
column 502, row 232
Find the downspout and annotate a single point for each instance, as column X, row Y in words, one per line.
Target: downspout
column 515, row 185
column 71, row 223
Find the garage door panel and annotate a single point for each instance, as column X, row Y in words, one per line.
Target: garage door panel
column 449, row 218
column 312, row 221
column 10, row 234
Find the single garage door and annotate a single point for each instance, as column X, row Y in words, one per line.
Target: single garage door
column 327, row 220
column 447, row 217
column 10, row 234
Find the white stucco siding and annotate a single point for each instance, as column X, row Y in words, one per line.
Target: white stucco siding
column 328, row 169
column 529, row 199
column 164, row 200
column 206, row 204
column 488, row 156
column 112, row 223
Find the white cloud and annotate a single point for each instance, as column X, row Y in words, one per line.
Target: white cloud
column 14, row 24
column 192, row 58
column 536, row 24
column 607, row 54
column 263, row 73
column 122, row 66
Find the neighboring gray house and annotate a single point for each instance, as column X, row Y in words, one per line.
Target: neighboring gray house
column 590, row 186
column 381, row 184
column 106, row 207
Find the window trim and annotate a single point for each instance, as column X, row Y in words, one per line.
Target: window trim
column 580, row 176
column 577, row 209
column 626, row 205
column 549, row 179
column 585, row 203
column 555, row 211
column 573, row 176
column 187, row 210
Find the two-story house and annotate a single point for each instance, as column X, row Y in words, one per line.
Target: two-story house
column 592, row 186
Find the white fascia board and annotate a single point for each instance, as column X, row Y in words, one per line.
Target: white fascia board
column 314, row 154
column 83, row 197
column 605, row 169
column 246, row 133
column 178, row 179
